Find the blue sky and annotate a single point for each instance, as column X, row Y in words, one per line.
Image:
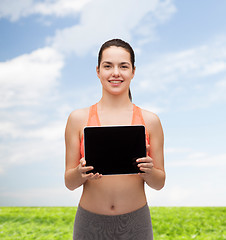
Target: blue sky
column 48, row 55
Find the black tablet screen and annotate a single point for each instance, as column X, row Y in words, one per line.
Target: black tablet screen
column 114, row 149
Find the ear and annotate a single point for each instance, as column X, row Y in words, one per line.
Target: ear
column 133, row 71
column 98, row 72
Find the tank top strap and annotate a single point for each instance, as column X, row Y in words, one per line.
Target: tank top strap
column 93, row 119
column 137, row 116
column 139, row 120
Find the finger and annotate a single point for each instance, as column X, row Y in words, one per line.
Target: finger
column 145, row 159
column 86, row 169
column 96, row 176
column 142, row 174
column 83, row 162
column 141, row 160
column 148, row 148
column 145, row 165
column 145, row 170
column 87, row 176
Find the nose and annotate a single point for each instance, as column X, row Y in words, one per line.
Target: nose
column 115, row 72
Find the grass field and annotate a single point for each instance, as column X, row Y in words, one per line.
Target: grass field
column 56, row 223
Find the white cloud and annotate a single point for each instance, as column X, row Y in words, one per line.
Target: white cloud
column 168, row 196
column 200, row 159
column 171, row 150
column 101, row 21
column 214, row 68
column 7, row 129
column 185, row 80
column 192, row 179
column 203, row 194
column 218, row 92
column 14, row 10
column 28, row 82
column 27, row 151
column 28, row 136
column 208, row 94
column 60, row 8
column 52, row 196
column 188, row 65
column 177, row 195
column 54, row 131
column 164, row 10
column 29, row 77
column 152, row 108
column 33, row 129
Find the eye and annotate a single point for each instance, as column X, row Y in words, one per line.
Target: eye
column 107, row 66
column 124, row 67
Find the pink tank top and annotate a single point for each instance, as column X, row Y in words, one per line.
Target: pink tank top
column 93, row 120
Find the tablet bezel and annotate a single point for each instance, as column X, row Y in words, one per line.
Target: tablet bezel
column 130, row 164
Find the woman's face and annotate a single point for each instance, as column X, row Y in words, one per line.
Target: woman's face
column 115, row 71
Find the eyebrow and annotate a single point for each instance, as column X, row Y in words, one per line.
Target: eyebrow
column 106, row 62
column 122, row 63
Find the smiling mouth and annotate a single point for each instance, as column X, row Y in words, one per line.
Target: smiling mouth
column 115, row 81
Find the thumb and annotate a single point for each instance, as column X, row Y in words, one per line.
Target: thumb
column 83, row 162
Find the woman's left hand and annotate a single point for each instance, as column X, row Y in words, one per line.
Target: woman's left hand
column 145, row 164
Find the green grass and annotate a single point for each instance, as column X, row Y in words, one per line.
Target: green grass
column 52, row 223
column 199, row 223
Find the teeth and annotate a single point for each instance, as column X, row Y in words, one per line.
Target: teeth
column 115, row 81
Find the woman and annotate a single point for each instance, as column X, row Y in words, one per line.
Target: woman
column 114, row 207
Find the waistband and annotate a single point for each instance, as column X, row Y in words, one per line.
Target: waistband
column 132, row 214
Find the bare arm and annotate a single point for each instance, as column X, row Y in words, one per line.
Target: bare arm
column 153, row 166
column 75, row 170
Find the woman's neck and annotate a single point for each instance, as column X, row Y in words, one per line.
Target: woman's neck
column 112, row 102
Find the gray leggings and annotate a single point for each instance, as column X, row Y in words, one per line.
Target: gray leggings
column 130, row 226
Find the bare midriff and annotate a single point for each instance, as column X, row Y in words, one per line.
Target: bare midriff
column 114, row 194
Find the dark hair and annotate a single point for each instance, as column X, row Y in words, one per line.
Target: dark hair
column 122, row 44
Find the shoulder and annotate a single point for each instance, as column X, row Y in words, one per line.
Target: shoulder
column 78, row 118
column 150, row 117
column 152, row 122
column 79, row 114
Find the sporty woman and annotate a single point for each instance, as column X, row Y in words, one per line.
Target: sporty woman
column 115, row 206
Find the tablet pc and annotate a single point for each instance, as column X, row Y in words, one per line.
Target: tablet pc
column 114, row 149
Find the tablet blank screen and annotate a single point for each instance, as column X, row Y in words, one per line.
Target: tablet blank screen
column 114, row 149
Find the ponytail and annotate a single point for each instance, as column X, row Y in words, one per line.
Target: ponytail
column 130, row 95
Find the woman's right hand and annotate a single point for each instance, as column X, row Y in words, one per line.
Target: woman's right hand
column 83, row 171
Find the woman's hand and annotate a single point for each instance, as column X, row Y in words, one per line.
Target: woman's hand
column 82, row 169
column 145, row 164
column 153, row 176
